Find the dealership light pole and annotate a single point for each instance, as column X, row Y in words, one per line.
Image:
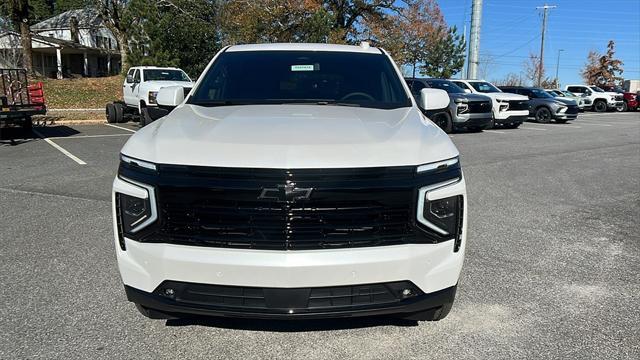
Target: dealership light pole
column 557, row 67
column 474, row 43
column 545, row 9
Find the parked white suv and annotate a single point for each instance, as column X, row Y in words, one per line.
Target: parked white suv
column 294, row 181
column 509, row 110
column 141, row 86
column 601, row 100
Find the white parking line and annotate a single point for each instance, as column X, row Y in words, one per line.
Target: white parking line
column 592, row 124
column 60, row 148
column 559, row 126
column 495, row 132
column 120, row 127
column 86, row 136
column 531, row 128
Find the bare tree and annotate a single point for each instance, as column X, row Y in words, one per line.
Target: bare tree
column 20, row 19
column 512, row 79
column 486, row 65
column 113, row 16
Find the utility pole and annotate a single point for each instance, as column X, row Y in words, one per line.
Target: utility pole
column 474, row 43
column 545, row 9
column 557, row 67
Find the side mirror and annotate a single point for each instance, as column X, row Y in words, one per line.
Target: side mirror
column 129, row 78
column 433, row 99
column 170, row 96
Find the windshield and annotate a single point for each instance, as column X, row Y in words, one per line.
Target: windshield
column 596, row 89
column 540, row 94
column 568, row 94
column 165, row 75
column 305, row 77
column 445, row 85
column 484, row 87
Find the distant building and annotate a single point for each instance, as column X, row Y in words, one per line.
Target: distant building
column 74, row 43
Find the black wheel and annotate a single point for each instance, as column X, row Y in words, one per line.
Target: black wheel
column 600, row 106
column 443, row 120
column 145, row 119
column 119, row 112
column 111, row 113
column 622, row 108
column 543, row 115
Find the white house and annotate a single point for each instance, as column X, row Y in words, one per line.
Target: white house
column 74, row 43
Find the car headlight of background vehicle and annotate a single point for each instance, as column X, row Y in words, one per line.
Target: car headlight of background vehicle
column 503, row 105
column 152, row 97
column 463, row 107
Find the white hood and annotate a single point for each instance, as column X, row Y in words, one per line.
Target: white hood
column 291, row 136
column 505, row 96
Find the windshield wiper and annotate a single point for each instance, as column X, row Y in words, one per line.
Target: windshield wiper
column 322, row 102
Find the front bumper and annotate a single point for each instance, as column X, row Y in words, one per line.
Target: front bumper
column 475, row 120
column 167, row 308
column 614, row 105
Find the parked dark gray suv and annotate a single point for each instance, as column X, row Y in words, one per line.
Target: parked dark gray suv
column 545, row 107
column 466, row 111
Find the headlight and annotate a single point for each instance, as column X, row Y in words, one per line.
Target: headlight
column 613, row 97
column 441, row 219
column 462, row 108
column 135, row 207
column 152, row 97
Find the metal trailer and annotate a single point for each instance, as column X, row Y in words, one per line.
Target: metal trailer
column 19, row 101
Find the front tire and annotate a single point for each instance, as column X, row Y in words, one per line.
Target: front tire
column 145, row 119
column 623, row 108
column 119, row 109
column 543, row 115
column 110, row 111
column 443, row 120
column 600, row 106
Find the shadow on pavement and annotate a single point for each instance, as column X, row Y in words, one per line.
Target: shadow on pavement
column 292, row 325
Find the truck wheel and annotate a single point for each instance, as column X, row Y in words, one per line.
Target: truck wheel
column 600, row 106
column 623, row 108
column 145, row 119
column 111, row 113
column 119, row 113
column 443, row 120
column 543, row 115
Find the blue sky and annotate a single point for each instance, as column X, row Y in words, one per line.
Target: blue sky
column 511, row 30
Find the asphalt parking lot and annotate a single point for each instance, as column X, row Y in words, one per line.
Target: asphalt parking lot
column 552, row 268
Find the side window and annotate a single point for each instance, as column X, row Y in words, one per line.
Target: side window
column 462, row 85
column 130, row 75
column 576, row 89
column 416, row 87
column 136, row 76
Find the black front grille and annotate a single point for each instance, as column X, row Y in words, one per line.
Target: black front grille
column 345, row 208
column 572, row 109
column 518, row 104
column 286, row 300
column 480, row 107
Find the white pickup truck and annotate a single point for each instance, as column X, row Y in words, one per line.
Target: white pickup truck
column 601, row 100
column 139, row 92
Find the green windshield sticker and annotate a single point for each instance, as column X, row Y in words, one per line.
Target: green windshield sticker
column 302, row 68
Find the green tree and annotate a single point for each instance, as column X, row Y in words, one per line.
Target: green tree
column 61, row 6
column 180, row 33
column 445, row 57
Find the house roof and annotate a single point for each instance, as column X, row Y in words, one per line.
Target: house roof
column 87, row 18
column 56, row 43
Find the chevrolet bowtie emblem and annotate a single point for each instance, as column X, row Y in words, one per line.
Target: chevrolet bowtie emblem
column 285, row 193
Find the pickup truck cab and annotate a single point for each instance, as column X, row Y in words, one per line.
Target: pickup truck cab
column 601, row 100
column 294, row 181
column 141, row 86
column 509, row 110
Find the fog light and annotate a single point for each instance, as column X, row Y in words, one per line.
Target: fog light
column 407, row 292
column 169, row 292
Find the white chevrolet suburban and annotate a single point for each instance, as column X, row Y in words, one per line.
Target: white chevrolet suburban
column 509, row 110
column 294, row 181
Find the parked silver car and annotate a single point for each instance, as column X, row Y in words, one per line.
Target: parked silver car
column 584, row 103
